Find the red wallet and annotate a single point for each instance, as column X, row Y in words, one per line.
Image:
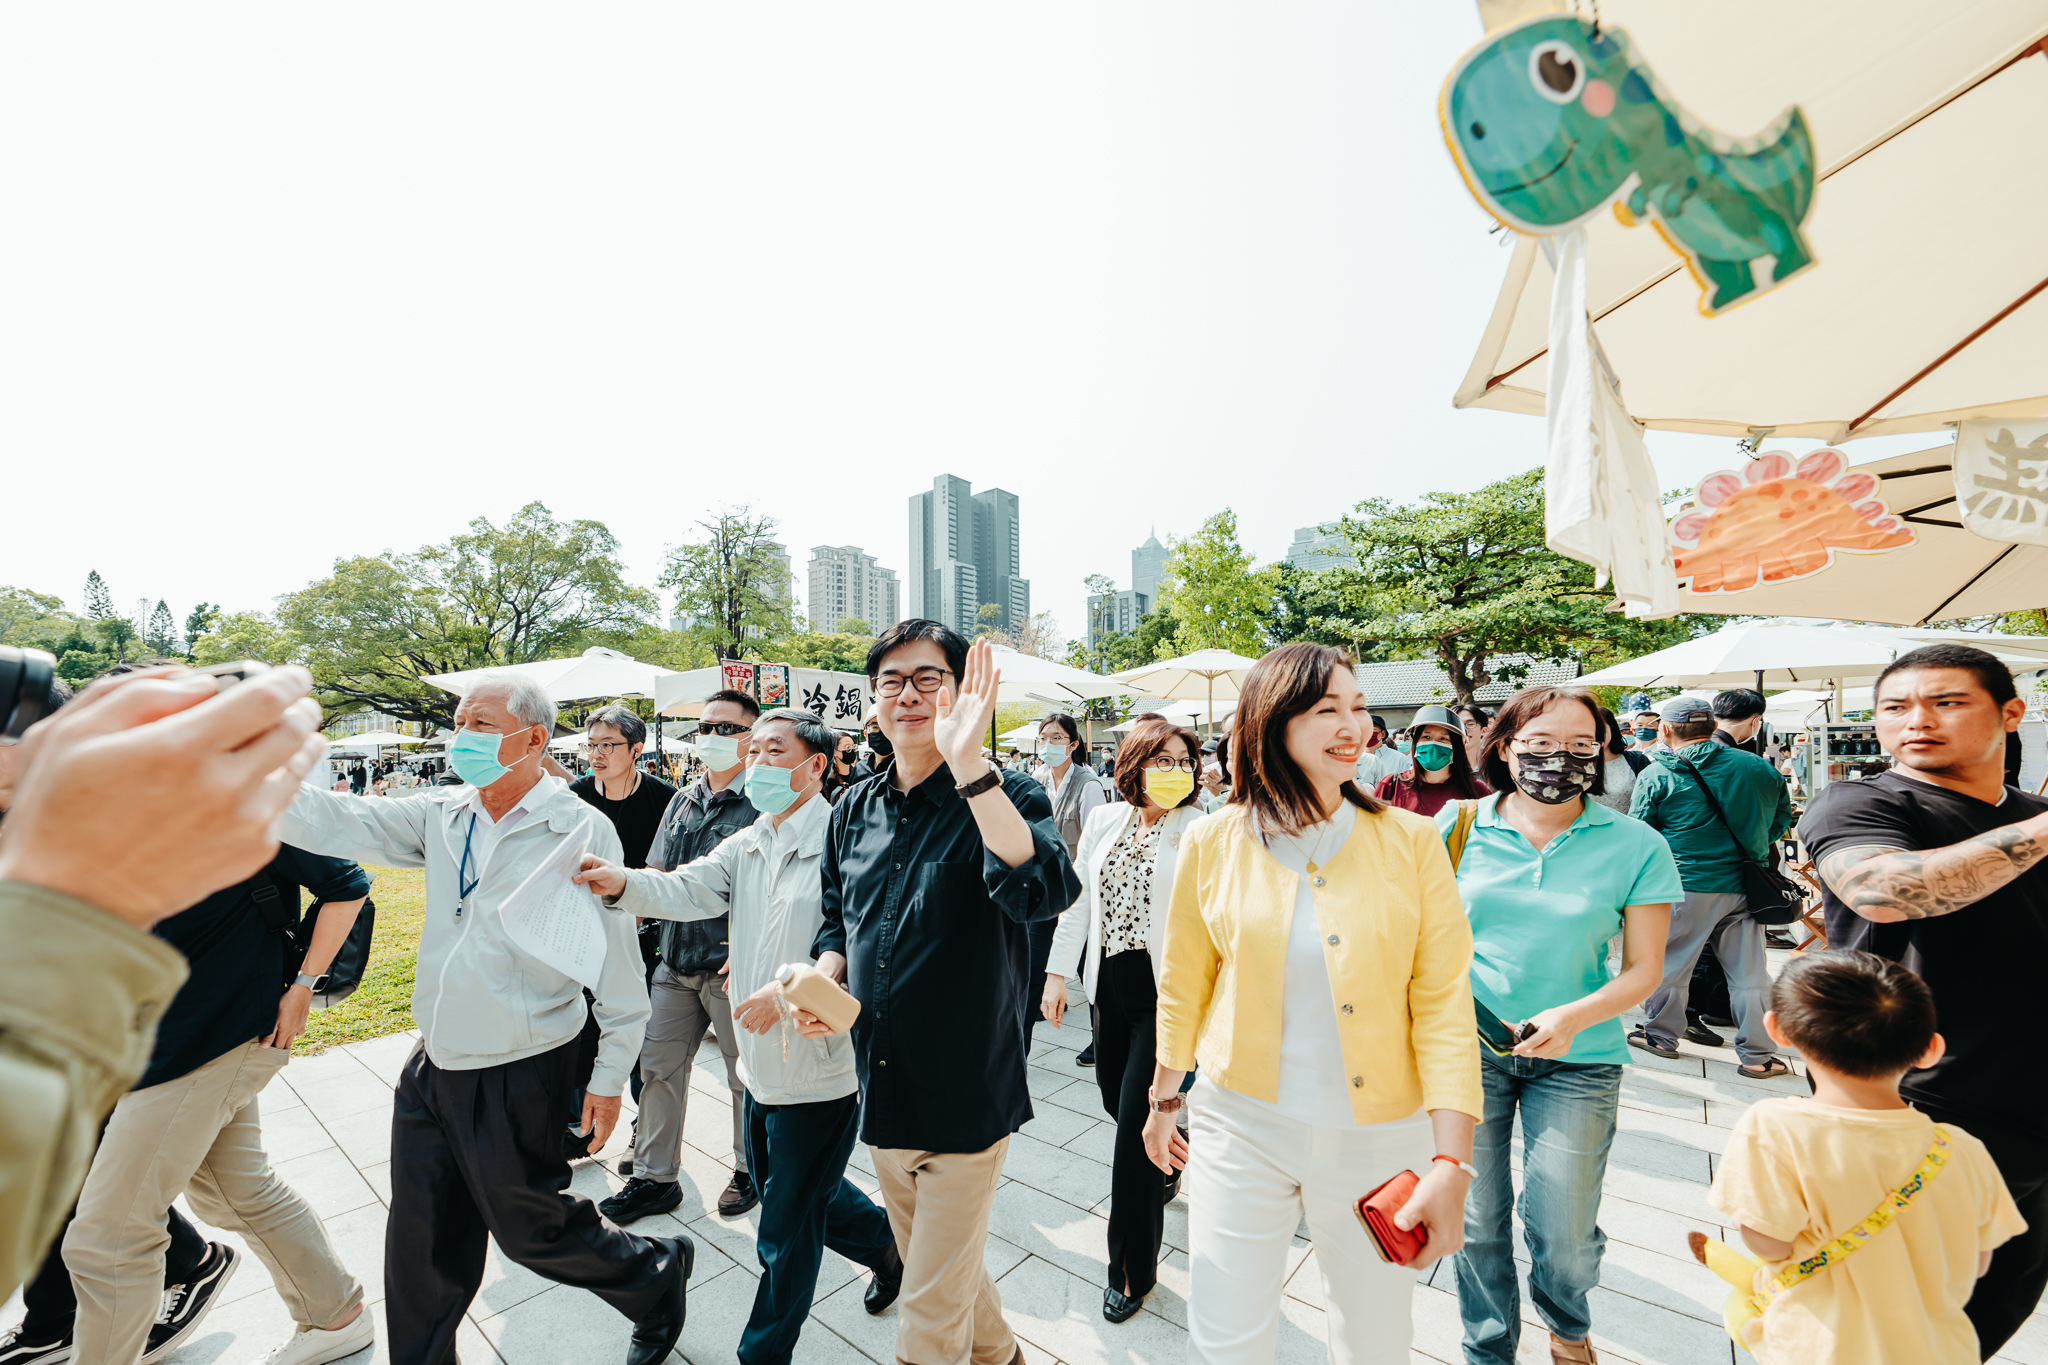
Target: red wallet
column 1377, row 1209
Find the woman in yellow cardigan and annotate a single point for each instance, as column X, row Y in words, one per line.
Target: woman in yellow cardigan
column 1316, row 966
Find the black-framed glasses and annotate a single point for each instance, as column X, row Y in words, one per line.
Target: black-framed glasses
column 1543, row 748
column 608, row 747
column 924, row 680
column 724, row 727
column 1163, row 764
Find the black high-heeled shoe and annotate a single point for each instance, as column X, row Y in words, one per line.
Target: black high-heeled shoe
column 1120, row 1307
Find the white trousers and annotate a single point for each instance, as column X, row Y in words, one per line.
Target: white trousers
column 1254, row 1174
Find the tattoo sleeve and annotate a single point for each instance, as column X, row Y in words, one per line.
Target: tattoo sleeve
column 1886, row 885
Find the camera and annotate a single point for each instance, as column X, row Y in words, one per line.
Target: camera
column 25, row 679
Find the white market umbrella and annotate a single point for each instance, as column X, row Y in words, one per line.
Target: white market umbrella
column 1026, row 733
column 1205, row 674
column 1928, row 303
column 373, row 739
column 1026, row 677
column 1770, row 653
column 596, row 672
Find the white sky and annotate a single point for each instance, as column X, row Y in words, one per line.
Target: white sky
column 291, row 283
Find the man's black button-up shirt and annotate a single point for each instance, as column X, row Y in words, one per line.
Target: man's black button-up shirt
column 932, row 926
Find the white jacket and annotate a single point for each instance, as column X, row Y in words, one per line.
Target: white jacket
column 774, row 904
column 477, row 999
column 1083, row 919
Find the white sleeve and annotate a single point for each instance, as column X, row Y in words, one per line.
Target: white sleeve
column 699, row 889
column 391, row 830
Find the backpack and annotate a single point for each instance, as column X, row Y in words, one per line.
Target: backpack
column 276, row 896
column 1636, row 759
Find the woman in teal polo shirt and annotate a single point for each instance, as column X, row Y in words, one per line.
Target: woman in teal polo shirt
column 1547, row 878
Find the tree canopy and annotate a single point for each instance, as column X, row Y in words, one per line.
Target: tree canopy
column 1215, row 596
column 733, row 582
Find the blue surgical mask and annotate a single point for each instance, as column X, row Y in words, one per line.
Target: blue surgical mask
column 1052, row 755
column 474, row 756
column 1645, row 735
column 769, row 790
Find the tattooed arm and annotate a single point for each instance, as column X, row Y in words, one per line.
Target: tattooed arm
column 1886, row 885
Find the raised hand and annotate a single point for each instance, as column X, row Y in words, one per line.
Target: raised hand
column 963, row 722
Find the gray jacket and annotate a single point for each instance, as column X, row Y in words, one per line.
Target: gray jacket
column 478, row 1000
column 774, row 904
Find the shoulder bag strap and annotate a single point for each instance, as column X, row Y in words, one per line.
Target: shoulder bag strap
column 1461, row 830
column 1846, row 1245
column 1719, row 814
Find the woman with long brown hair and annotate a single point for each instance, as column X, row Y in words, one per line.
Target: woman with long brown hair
column 1316, row 965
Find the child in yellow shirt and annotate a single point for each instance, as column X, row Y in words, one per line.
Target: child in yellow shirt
column 1801, row 1172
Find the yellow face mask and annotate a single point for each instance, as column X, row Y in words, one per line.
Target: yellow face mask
column 1168, row 789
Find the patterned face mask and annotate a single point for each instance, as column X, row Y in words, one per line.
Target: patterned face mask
column 1556, row 779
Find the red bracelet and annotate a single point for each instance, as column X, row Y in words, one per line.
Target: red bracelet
column 1467, row 1167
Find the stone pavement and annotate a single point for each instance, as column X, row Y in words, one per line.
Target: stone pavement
column 328, row 1125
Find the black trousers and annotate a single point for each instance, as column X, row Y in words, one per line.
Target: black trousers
column 477, row 1154
column 1038, row 935
column 798, row 1154
column 2011, row 1290
column 1126, row 1047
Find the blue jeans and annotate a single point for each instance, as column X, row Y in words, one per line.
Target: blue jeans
column 1568, row 1117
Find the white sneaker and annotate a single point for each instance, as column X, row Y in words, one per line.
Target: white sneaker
column 311, row 1346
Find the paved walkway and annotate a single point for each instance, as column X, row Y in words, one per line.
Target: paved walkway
column 328, row 1127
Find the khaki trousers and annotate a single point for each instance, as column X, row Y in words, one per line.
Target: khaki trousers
column 938, row 1202
column 200, row 1136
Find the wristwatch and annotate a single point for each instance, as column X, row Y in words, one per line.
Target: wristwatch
column 1165, row 1106
column 315, row 984
column 988, row 781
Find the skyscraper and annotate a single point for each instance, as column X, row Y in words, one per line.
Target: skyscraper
column 1320, row 547
column 965, row 552
column 845, row 581
column 1148, row 566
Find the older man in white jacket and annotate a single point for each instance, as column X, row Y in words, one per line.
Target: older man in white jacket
column 476, row 1130
column 802, row 1101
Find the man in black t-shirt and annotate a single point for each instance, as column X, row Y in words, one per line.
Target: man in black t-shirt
column 1939, row 865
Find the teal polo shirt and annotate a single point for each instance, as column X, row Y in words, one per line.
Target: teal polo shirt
column 1541, row 921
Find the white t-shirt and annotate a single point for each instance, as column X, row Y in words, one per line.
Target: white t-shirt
column 1313, row 1088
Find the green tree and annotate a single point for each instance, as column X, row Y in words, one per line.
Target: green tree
column 1465, row 578
column 733, row 581
column 161, row 635
column 1305, row 603
column 534, row 589
column 200, row 620
column 854, row 625
column 33, row 618
column 114, row 630
column 245, row 635
column 1218, row 600
column 839, row 652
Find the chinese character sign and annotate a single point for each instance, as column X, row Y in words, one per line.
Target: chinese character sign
column 772, row 685
column 738, row 676
column 838, row 699
column 2002, row 479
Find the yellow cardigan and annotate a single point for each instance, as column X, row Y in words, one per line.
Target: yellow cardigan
column 1395, row 940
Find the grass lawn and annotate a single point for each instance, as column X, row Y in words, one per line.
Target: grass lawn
column 383, row 1002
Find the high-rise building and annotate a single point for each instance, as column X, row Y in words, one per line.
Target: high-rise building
column 844, row 581
column 1148, row 566
column 965, row 553
column 1320, row 547
column 1115, row 612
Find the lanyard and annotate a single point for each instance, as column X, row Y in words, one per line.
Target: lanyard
column 464, row 883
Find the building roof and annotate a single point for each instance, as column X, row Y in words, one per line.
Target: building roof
column 1418, row 682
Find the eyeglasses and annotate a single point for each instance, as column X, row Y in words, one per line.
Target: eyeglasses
column 1543, row 748
column 724, row 727
column 1163, row 764
column 924, row 680
column 608, row 747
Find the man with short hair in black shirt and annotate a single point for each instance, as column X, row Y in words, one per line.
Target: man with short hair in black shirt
column 1939, row 865
column 931, row 875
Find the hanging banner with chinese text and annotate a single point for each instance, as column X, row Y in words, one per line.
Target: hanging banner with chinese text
column 2002, row 479
column 771, row 685
column 841, row 700
column 738, row 676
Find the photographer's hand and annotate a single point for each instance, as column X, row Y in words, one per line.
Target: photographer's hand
column 143, row 796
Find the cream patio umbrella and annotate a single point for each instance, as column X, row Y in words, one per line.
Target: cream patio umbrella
column 1929, row 303
column 1203, row 675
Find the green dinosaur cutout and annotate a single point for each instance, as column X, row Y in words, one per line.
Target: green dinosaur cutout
column 1550, row 120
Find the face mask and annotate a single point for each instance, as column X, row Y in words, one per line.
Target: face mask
column 1406, row 746
column 769, row 790
column 1168, row 789
column 1052, row 755
column 719, row 752
column 1645, row 735
column 879, row 743
column 1433, row 756
column 474, row 756
column 1556, row 779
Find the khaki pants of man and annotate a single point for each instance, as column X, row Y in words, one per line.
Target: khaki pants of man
column 938, row 1202
column 200, row 1136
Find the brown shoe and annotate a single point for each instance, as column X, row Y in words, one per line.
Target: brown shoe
column 1564, row 1352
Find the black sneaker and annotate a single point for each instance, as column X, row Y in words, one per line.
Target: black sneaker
column 1086, row 1056
column 739, row 1196
column 44, row 1348
column 186, row 1305
column 640, row 1198
column 1696, row 1032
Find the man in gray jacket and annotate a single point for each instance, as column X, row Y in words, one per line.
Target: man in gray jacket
column 802, row 1103
column 475, row 1132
